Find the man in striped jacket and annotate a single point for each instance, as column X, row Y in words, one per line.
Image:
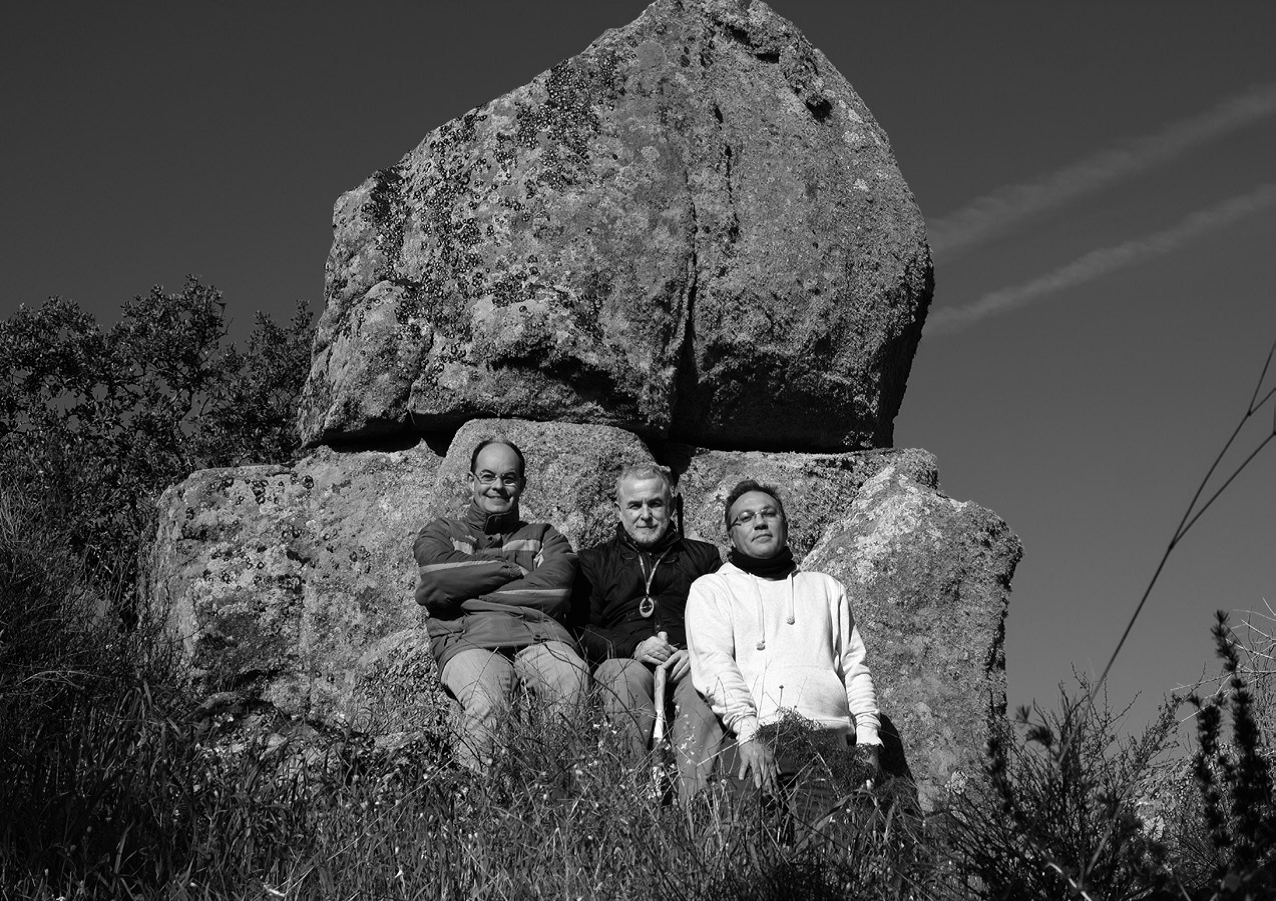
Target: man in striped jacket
column 498, row 591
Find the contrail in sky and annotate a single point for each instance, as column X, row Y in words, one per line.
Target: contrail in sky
column 988, row 216
column 1102, row 261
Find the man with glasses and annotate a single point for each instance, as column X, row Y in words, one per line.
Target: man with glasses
column 768, row 640
column 498, row 591
column 630, row 600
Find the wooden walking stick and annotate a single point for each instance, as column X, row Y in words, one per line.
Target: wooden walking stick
column 658, row 731
column 661, row 784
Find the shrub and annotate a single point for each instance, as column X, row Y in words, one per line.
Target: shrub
column 1058, row 818
column 98, row 775
column 97, row 423
column 1237, row 810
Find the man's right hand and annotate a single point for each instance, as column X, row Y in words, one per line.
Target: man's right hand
column 756, row 758
column 654, row 650
column 678, row 665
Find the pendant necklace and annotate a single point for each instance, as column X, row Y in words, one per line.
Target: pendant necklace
column 647, row 606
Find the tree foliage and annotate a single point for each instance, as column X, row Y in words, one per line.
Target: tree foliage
column 95, row 423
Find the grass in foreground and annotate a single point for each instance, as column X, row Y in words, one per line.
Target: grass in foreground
column 125, row 800
column 134, row 808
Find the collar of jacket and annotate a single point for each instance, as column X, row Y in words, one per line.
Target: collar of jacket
column 670, row 541
column 491, row 523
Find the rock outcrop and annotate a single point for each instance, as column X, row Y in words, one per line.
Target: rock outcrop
column 931, row 582
column 689, row 243
column 694, row 229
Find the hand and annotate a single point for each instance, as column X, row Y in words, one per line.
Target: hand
column 678, row 665
column 870, row 755
column 654, row 650
column 757, row 758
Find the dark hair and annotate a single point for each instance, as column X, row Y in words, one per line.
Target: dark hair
column 743, row 488
column 522, row 464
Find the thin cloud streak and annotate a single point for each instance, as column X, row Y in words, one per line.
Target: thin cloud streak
column 1100, row 262
column 995, row 212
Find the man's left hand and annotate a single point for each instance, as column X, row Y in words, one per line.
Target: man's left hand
column 870, row 755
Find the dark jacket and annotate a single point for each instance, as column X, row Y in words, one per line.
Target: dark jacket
column 493, row 581
column 611, row 585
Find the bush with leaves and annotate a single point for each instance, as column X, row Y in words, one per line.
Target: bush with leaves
column 1058, row 818
column 96, row 423
column 1237, row 808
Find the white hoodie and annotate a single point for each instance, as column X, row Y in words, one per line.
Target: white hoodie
column 761, row 647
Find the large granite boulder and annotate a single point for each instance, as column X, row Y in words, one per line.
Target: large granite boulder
column 930, row 581
column 694, row 229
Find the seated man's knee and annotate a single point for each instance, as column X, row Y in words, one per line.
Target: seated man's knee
column 478, row 679
column 615, row 670
column 624, row 679
column 554, row 669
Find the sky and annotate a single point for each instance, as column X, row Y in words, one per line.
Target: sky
column 1092, row 175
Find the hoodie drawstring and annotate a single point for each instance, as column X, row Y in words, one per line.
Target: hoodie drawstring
column 757, row 592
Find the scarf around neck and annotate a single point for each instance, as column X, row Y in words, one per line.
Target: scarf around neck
column 775, row 567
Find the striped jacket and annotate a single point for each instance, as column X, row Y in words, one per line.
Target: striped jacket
column 493, row 581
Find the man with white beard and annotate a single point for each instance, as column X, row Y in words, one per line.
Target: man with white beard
column 629, row 604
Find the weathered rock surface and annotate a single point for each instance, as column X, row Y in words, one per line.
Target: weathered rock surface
column 275, row 577
column 694, row 229
column 930, row 581
column 294, row 584
column 817, row 489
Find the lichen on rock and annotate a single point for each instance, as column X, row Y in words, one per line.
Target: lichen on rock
column 694, row 229
column 929, row 580
column 690, row 242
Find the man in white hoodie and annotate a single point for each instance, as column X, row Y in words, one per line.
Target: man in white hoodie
column 766, row 639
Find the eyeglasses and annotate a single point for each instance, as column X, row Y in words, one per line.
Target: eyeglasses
column 509, row 480
column 748, row 516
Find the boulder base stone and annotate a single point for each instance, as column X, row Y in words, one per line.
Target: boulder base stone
column 929, row 578
column 287, row 582
column 293, row 585
column 694, row 229
column 273, row 576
